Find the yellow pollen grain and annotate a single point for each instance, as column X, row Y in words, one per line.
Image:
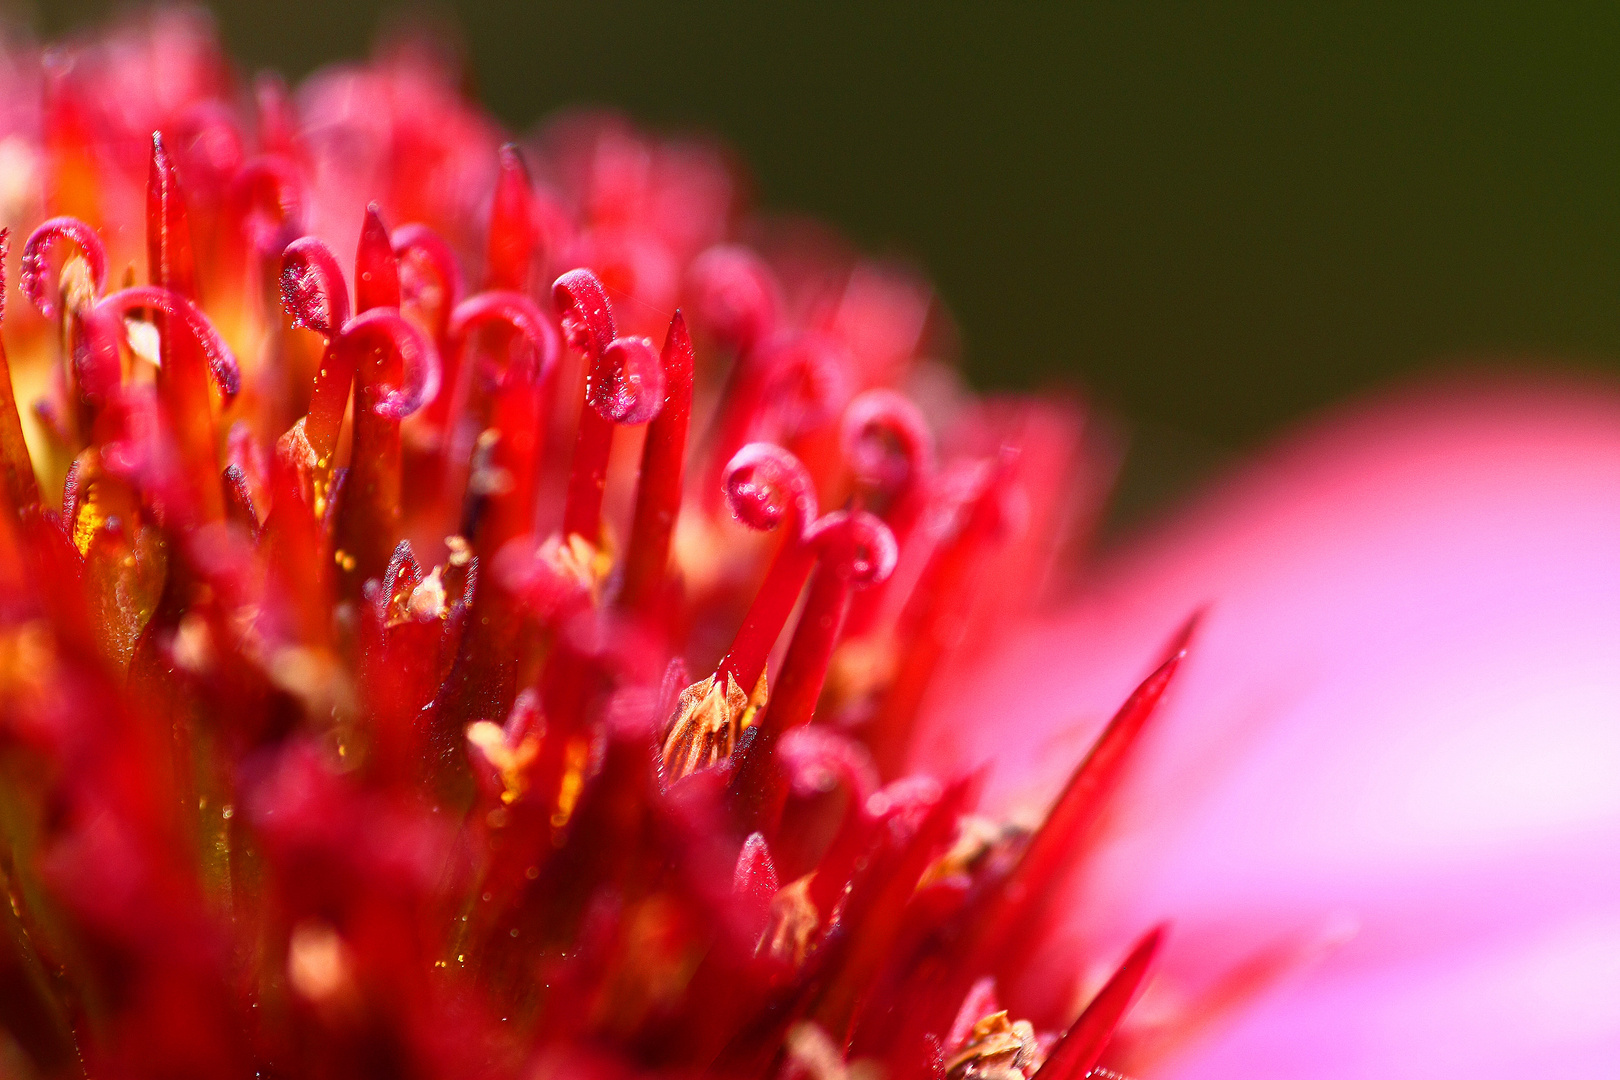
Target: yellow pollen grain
column 90, row 518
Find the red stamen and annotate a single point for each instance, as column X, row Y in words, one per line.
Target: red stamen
column 430, row 287
column 857, row 551
column 393, row 366
column 408, row 635
column 1082, row 1046
column 979, row 1003
column 511, row 225
column 658, row 497
column 587, row 317
column 536, row 361
column 376, row 270
column 182, row 386
column 267, row 203
column 298, row 568
column 99, row 368
column 395, row 370
column 812, row 760
column 418, row 248
column 313, row 289
column 403, row 575
column 39, row 282
column 522, row 404
column 588, row 662
column 627, row 385
column 891, row 452
column 766, row 486
column 170, row 262
column 239, row 508
column 806, row 385
column 587, row 325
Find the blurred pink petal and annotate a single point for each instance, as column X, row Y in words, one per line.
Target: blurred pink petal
column 1403, row 707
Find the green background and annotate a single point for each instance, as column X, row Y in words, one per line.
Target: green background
column 1213, row 218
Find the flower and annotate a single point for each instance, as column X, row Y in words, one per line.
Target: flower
column 467, row 730
column 530, row 718
column 1400, row 719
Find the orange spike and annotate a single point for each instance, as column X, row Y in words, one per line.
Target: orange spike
column 511, row 225
column 182, row 378
column 658, row 496
column 170, row 262
column 1081, row 1047
column 376, row 270
column 1026, row 892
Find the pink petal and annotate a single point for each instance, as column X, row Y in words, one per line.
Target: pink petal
column 1404, row 706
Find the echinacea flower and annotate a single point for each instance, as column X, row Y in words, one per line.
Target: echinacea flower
column 557, row 708
column 467, row 730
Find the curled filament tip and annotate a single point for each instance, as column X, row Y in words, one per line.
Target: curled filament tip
column 805, row 383
column 764, row 484
column 856, row 551
column 312, row 287
column 504, row 307
column 587, row 317
column 429, row 274
column 36, row 278
column 376, row 270
column 511, row 224
column 856, row 545
column 387, row 329
column 100, row 369
column 887, row 444
column 587, row 325
column 767, row 488
column 627, row 387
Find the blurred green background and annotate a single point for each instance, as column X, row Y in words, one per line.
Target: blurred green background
column 1212, row 217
